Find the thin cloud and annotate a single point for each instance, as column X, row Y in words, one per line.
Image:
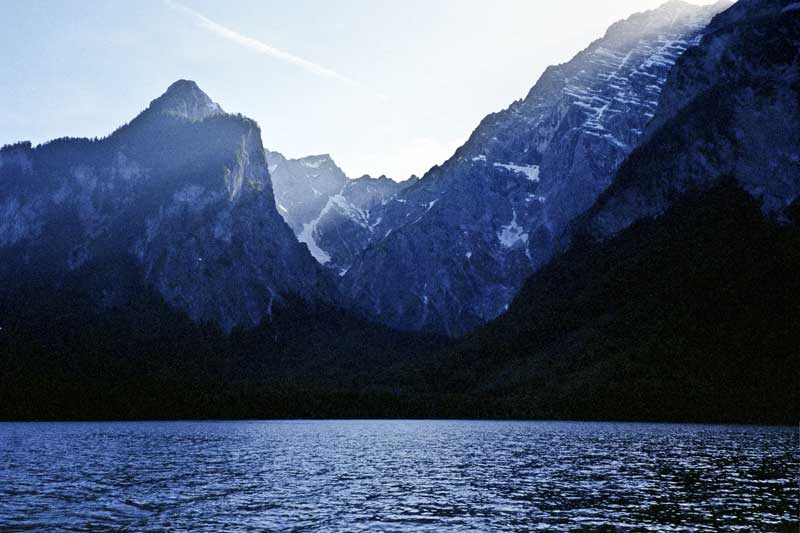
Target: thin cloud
column 260, row 46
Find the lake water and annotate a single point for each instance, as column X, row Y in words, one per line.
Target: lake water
column 396, row 476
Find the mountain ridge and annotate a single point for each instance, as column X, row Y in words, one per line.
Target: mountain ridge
column 638, row 214
column 729, row 109
column 457, row 245
column 328, row 211
column 184, row 188
column 675, row 296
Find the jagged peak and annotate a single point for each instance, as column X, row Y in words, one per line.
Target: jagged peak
column 185, row 99
column 370, row 178
column 671, row 7
column 182, row 86
column 665, row 15
column 316, row 158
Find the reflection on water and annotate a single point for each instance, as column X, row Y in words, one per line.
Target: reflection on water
column 396, row 475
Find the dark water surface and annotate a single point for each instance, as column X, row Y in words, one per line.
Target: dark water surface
column 396, row 476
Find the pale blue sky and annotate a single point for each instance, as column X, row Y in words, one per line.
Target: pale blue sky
column 383, row 86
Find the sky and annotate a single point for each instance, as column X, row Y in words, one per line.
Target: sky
column 384, row 86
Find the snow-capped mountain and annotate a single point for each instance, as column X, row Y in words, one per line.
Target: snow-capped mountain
column 182, row 190
column 331, row 214
column 454, row 248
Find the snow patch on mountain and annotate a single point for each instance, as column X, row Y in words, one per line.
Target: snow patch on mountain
column 531, row 172
column 330, row 213
column 512, row 234
column 307, row 235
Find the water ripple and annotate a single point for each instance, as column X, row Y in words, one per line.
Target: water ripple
column 396, row 476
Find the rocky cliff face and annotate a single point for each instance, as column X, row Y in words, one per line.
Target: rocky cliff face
column 303, row 186
column 333, row 215
column 730, row 109
column 454, row 248
column 345, row 226
column 678, row 292
column 183, row 189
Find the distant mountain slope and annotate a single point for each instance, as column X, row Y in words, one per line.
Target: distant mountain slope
column 330, row 213
column 346, row 225
column 455, row 247
column 303, row 186
column 183, row 189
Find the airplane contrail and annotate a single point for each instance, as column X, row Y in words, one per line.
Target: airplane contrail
column 260, row 46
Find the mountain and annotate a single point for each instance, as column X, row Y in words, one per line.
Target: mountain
column 346, row 224
column 730, row 107
column 303, row 186
column 456, row 247
column 182, row 190
column 148, row 275
column 185, row 100
column 677, row 298
column 331, row 214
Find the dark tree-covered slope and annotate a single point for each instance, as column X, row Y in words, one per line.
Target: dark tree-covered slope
column 691, row 316
column 63, row 356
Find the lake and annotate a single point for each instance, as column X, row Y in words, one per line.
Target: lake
column 396, row 476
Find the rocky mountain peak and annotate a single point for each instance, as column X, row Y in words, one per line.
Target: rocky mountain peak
column 184, row 198
column 668, row 16
column 186, row 100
